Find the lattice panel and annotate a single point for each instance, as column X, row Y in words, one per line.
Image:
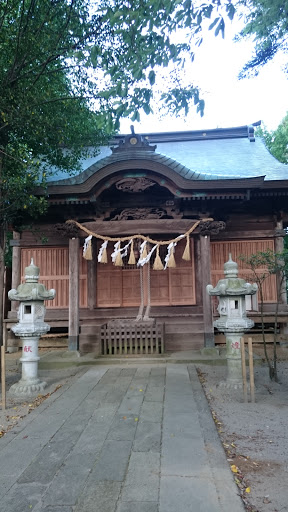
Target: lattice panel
column 132, row 339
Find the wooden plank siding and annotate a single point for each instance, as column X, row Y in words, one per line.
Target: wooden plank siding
column 54, row 273
column 220, row 253
column 120, row 286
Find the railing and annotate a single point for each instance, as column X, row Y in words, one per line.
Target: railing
column 132, row 338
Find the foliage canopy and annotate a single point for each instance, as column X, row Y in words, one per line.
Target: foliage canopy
column 277, row 140
column 70, row 69
column 266, row 22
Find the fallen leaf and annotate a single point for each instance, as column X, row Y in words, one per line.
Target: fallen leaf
column 234, row 468
column 136, row 419
column 248, row 490
column 124, row 417
column 140, row 389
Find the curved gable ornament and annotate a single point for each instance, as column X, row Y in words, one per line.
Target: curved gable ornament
column 134, row 185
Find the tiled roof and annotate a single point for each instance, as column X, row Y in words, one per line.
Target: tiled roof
column 230, row 153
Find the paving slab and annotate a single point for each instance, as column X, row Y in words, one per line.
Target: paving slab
column 147, row 437
column 151, row 411
column 138, row 506
column 188, row 494
column 54, row 509
column 99, row 496
column 142, row 481
column 154, row 393
column 112, row 462
column 119, row 439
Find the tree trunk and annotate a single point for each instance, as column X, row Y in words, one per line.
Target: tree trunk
column 2, row 271
column 263, row 327
column 2, row 256
column 2, row 261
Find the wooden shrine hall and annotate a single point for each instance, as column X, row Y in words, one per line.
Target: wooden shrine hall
column 158, row 214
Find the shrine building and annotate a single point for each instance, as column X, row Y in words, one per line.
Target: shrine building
column 160, row 213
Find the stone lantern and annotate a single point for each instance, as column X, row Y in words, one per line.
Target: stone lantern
column 30, row 327
column 232, row 321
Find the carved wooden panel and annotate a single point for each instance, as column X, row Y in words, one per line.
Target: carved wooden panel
column 220, row 253
column 54, row 273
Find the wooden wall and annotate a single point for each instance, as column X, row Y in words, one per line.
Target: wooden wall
column 54, row 273
column 120, row 286
column 220, row 254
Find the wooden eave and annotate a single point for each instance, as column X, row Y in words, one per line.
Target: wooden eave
column 276, row 184
column 273, row 188
column 180, row 186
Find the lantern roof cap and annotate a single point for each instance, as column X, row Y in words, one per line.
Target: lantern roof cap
column 32, row 273
column 230, row 267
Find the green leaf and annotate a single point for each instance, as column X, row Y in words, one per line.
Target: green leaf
column 152, row 77
column 213, row 23
column 220, row 28
column 146, row 108
column 230, row 9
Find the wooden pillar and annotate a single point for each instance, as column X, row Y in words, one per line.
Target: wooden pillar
column 16, row 269
column 73, row 340
column 206, row 299
column 92, row 277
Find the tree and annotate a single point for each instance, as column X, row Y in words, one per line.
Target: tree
column 69, row 70
column 267, row 23
column 265, row 20
column 277, row 140
column 262, row 265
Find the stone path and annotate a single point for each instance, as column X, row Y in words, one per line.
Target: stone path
column 132, row 439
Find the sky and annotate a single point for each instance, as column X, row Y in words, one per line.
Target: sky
column 228, row 101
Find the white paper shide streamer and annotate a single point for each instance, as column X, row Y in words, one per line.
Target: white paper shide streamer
column 101, row 250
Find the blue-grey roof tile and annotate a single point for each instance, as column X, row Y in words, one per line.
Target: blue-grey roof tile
column 202, row 159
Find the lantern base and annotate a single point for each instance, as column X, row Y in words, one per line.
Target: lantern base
column 231, row 384
column 28, row 387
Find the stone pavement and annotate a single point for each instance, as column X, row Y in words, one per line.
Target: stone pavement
column 119, row 439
